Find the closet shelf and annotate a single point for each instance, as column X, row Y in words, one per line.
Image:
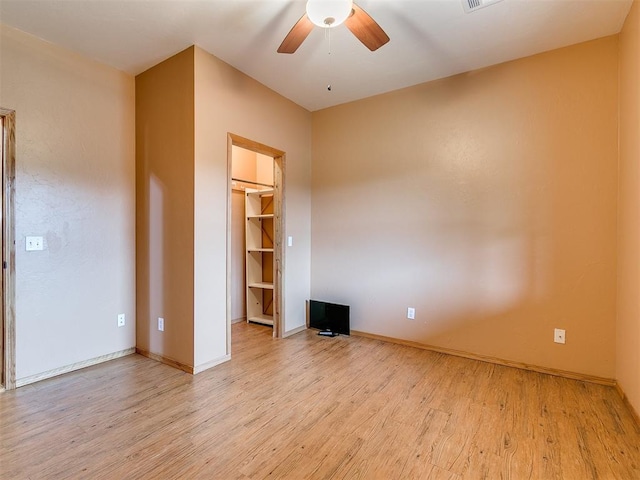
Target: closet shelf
column 259, row 246
column 260, row 193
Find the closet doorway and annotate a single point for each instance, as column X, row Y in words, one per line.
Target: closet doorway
column 255, row 219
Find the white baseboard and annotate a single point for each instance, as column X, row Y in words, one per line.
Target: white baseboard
column 294, row 331
column 206, row 366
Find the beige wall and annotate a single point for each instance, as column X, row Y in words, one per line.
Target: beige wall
column 251, row 166
column 487, row 201
column 165, row 203
column 628, row 331
column 74, row 187
column 238, row 254
column 243, row 166
column 264, row 169
column 185, row 107
column 227, row 101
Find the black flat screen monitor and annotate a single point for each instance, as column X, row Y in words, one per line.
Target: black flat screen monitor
column 329, row 317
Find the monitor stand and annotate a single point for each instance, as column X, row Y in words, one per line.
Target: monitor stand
column 327, row 333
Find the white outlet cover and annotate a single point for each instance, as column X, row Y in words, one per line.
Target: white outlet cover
column 121, row 320
column 33, row 244
column 559, row 335
column 161, row 324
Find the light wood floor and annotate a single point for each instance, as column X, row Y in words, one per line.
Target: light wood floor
column 314, row 407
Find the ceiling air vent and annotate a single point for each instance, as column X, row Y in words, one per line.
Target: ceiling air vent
column 473, row 5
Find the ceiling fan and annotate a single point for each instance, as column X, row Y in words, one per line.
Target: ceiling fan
column 329, row 14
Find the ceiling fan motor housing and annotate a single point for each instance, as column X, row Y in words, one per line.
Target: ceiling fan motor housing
column 321, row 13
column 328, row 13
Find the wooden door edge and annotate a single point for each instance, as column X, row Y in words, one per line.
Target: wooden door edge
column 8, row 249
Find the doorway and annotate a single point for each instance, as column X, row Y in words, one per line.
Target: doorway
column 7, row 283
column 264, row 191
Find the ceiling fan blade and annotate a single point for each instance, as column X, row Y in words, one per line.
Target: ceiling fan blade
column 366, row 29
column 296, row 36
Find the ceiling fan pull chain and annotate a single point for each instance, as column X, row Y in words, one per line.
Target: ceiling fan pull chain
column 327, row 33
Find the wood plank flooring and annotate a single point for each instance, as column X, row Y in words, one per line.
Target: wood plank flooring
column 317, row 408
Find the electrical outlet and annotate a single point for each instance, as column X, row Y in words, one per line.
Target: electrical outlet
column 411, row 313
column 34, row 243
column 121, row 320
column 161, row 324
column 559, row 335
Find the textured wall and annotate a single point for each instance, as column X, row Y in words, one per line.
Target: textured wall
column 74, row 187
column 186, row 106
column 227, row 101
column 487, row 201
column 165, row 202
column 628, row 334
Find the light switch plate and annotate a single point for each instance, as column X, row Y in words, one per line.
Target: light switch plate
column 34, row 244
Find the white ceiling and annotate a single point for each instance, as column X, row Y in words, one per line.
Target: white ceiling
column 430, row 39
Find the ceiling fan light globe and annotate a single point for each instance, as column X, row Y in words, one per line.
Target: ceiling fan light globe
column 328, row 13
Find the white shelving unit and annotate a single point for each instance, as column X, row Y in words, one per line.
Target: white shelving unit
column 260, row 264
